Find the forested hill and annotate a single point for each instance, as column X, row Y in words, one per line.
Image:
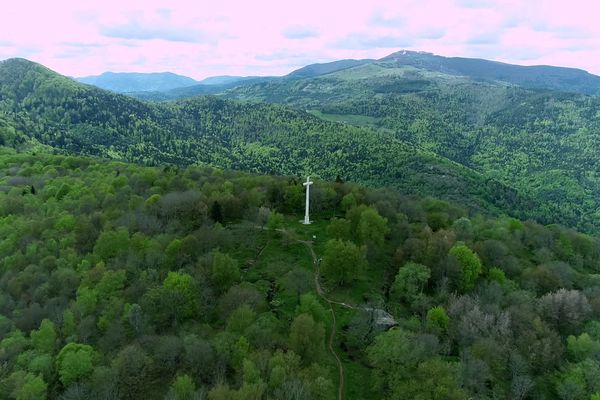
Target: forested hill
column 149, row 283
column 37, row 104
column 544, row 143
column 312, row 70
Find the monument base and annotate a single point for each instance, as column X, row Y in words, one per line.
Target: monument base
column 305, row 222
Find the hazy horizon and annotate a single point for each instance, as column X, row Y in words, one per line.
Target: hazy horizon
column 273, row 38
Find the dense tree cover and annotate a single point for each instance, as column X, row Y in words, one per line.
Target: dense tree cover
column 117, row 281
column 39, row 107
column 542, row 143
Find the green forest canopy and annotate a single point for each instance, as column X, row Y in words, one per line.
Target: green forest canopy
column 123, row 281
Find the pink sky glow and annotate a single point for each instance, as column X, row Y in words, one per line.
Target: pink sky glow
column 273, row 37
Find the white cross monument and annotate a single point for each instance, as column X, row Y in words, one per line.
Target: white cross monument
column 307, row 184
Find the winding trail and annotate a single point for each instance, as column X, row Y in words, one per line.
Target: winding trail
column 387, row 319
column 321, row 294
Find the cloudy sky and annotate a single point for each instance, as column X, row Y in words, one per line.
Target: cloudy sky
column 272, row 37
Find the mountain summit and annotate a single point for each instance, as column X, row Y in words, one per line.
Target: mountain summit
column 534, row 77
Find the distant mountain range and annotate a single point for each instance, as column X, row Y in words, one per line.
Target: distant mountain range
column 137, row 82
column 225, row 80
column 538, row 77
column 134, row 82
column 169, row 86
column 534, row 77
column 216, row 85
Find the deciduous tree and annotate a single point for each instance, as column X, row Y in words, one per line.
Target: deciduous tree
column 75, row 361
column 470, row 265
column 342, row 261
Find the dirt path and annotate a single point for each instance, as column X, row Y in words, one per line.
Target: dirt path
column 321, row 294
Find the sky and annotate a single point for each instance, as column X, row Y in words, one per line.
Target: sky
column 273, row 37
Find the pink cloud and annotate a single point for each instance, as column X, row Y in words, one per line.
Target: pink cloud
column 199, row 39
